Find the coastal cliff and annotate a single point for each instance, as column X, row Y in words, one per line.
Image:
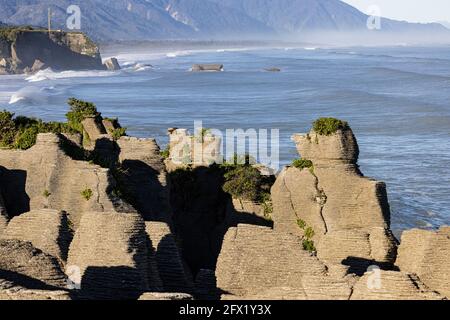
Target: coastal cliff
column 199, row 229
column 26, row 50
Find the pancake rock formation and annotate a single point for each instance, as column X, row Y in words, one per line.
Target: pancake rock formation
column 346, row 214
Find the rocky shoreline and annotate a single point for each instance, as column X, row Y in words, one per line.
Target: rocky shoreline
column 87, row 212
column 29, row 50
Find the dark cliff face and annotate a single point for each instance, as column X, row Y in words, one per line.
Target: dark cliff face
column 59, row 51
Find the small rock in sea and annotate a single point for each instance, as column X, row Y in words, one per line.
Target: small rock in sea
column 273, row 69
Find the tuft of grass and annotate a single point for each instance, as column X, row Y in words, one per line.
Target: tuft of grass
column 303, row 164
column 307, row 242
column 118, row 133
column 309, row 245
column 46, row 193
column 266, row 202
column 87, row 194
column 301, row 224
column 329, row 126
column 165, row 154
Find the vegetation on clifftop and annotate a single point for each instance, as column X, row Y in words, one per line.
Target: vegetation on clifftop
column 303, row 164
column 329, row 126
column 80, row 110
column 21, row 132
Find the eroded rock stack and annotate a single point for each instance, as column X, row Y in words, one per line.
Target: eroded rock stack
column 109, row 249
column 348, row 213
column 260, row 263
column 199, row 150
column 46, row 177
column 168, row 258
column 47, row 230
column 145, row 178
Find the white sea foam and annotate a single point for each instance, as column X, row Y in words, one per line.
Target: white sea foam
column 33, row 95
column 176, row 54
column 49, row 74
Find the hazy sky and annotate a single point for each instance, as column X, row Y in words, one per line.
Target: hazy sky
column 410, row 10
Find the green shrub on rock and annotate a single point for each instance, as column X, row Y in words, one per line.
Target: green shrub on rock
column 7, row 129
column 80, row 110
column 329, row 126
column 118, row 133
column 243, row 182
column 303, row 164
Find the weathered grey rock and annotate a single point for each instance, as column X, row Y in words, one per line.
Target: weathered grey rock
column 37, row 66
column 168, row 258
column 146, row 178
column 94, row 129
column 153, row 296
column 111, row 254
column 273, row 69
column 259, row 263
column 112, row 64
column 46, row 177
column 391, row 285
column 47, row 230
column 427, row 254
column 207, row 67
column 349, row 213
column 11, row 291
column 25, row 265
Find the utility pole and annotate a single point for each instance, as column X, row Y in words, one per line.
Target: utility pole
column 49, row 21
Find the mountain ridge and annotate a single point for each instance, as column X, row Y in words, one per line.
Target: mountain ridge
column 202, row 19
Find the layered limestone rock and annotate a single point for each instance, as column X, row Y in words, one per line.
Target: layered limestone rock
column 260, row 263
column 168, row 258
column 200, row 150
column 427, row 254
column 47, row 230
column 390, row 285
column 10, row 291
column 46, row 177
column 3, row 214
column 29, row 267
column 348, row 213
column 145, row 178
column 108, row 256
column 155, row 296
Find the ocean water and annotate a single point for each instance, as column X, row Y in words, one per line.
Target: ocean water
column 396, row 99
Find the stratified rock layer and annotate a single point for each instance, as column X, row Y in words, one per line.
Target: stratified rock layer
column 259, row 263
column 47, row 230
column 427, row 254
column 46, row 177
column 27, row 266
column 146, row 178
column 111, row 254
column 390, row 285
column 11, row 291
column 349, row 213
column 168, row 258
